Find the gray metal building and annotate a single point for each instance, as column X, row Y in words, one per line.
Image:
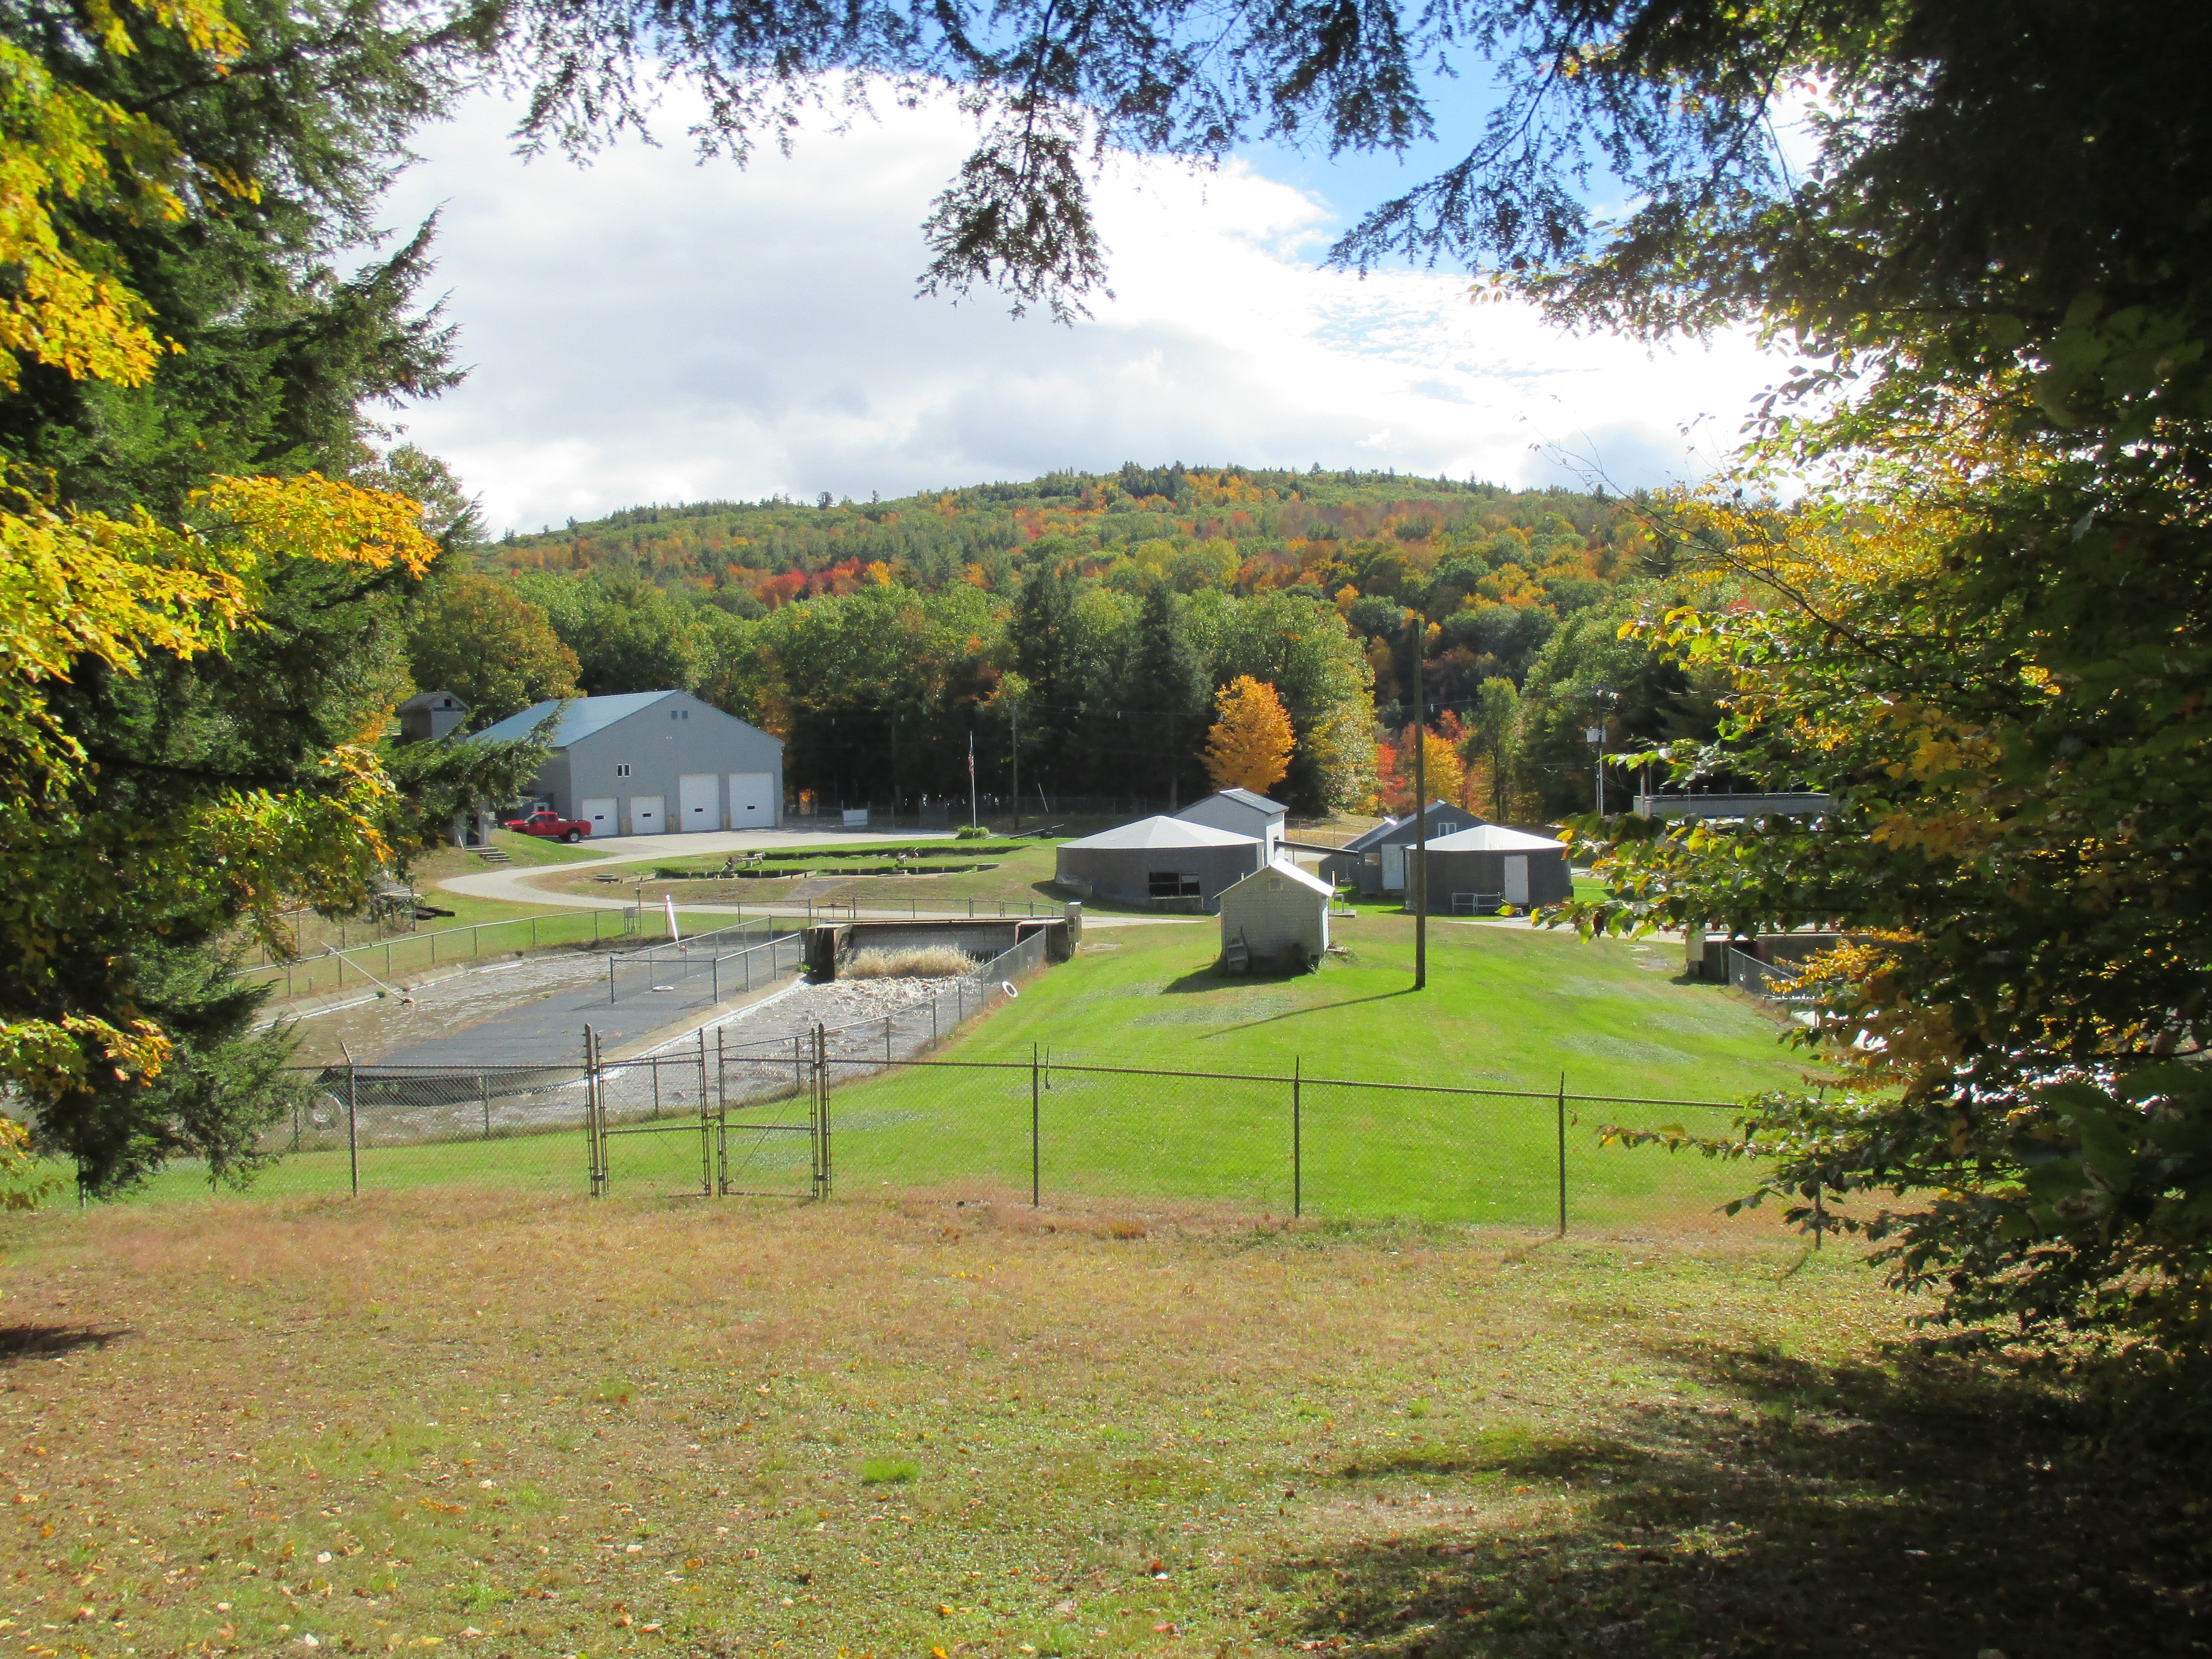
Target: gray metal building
column 1241, row 813
column 655, row 762
column 1161, row 863
column 1375, row 863
column 1474, row 871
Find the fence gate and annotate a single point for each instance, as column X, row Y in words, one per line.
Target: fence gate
column 773, row 1098
column 655, row 1115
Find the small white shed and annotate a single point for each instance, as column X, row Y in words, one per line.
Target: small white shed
column 1276, row 918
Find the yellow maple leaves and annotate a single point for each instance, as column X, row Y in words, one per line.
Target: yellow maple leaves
column 1249, row 747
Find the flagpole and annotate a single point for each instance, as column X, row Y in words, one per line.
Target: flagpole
column 971, row 778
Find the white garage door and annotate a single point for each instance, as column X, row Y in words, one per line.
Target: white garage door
column 752, row 800
column 695, row 795
column 599, row 813
column 646, row 814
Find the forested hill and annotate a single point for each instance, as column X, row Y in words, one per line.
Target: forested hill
column 877, row 637
column 1223, row 527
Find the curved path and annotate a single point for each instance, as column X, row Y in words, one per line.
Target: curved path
column 521, row 885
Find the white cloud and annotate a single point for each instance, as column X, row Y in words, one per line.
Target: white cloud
column 651, row 329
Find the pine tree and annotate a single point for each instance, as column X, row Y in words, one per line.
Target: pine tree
column 1249, row 747
column 1167, row 691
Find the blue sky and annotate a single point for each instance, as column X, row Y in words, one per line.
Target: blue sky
column 651, row 329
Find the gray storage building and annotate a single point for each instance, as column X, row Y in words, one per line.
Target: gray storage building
column 1167, row 864
column 1241, row 813
column 1276, row 918
column 649, row 763
column 1374, row 862
column 1474, row 871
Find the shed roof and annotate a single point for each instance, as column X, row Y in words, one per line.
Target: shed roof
column 1285, row 867
column 1243, row 797
column 582, row 717
column 1495, row 838
column 1156, row 833
column 431, row 700
column 1392, row 828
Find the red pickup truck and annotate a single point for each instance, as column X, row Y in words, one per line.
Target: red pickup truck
column 551, row 825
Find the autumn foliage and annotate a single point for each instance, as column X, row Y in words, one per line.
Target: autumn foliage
column 1249, row 747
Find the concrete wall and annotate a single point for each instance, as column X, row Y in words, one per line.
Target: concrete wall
column 1285, row 922
column 1549, row 880
column 1123, row 875
column 829, row 943
column 659, row 751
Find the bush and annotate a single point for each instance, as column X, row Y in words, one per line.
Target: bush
column 922, row 962
column 970, row 832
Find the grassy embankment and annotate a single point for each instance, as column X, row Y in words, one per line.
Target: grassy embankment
column 1017, row 874
column 538, row 1430
column 1506, row 1008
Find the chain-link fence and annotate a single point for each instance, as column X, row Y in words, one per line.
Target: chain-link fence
column 873, row 1108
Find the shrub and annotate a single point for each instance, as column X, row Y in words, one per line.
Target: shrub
column 922, row 962
column 970, row 832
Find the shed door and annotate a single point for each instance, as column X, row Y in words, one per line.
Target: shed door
column 1516, row 878
column 752, row 800
column 1394, row 867
column 647, row 817
column 599, row 812
column 695, row 793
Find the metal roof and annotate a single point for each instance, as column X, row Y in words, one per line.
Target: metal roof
column 1494, row 838
column 1243, row 797
column 1285, row 867
column 432, row 700
column 1159, row 833
column 582, row 717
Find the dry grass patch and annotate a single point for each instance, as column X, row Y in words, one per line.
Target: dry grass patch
column 918, row 962
column 556, row 1428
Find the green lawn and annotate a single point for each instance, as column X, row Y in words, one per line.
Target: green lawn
column 1506, row 1010
column 445, row 1422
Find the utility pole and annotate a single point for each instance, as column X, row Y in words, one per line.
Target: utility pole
column 971, row 776
column 895, row 798
column 1015, row 709
column 1417, row 879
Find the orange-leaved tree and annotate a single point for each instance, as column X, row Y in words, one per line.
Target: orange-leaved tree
column 1249, row 747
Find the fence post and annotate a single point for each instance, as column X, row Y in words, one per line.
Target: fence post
column 706, row 1136
column 1298, row 1140
column 1036, row 1166
column 483, row 1098
column 887, row 1039
column 610, row 978
column 1563, row 1155
column 353, row 1131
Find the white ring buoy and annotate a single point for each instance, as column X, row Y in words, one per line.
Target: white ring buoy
column 1007, row 986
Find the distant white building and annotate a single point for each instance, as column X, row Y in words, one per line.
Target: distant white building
column 1276, row 918
column 1241, row 813
column 429, row 714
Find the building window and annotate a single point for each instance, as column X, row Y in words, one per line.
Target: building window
column 621, row 770
column 1172, row 884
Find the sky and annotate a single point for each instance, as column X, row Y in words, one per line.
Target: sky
column 654, row 330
